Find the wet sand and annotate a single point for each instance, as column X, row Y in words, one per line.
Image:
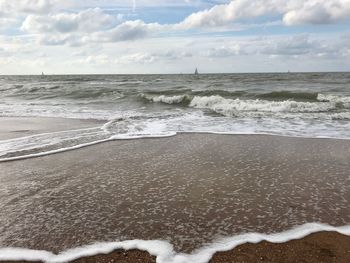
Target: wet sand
column 190, row 190
column 318, row 247
column 14, row 127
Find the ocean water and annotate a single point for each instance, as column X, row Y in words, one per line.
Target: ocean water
column 137, row 106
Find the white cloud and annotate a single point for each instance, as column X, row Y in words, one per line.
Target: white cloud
column 149, row 58
column 90, row 20
column 129, row 30
column 221, row 15
column 139, row 58
column 278, row 46
column 15, row 7
column 97, row 60
column 318, row 12
column 87, row 26
column 48, row 26
column 96, row 26
column 294, row 12
column 225, row 51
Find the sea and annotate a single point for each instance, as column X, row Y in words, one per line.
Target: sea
column 315, row 105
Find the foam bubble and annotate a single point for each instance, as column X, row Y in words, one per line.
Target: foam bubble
column 344, row 100
column 164, row 251
column 237, row 107
column 165, row 124
column 167, row 99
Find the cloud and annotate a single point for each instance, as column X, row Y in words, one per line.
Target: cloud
column 293, row 12
column 134, row 5
column 90, row 20
column 221, row 15
column 94, row 25
column 139, row 58
column 27, row 6
column 129, row 30
column 223, row 51
column 152, row 57
column 97, row 60
column 277, row 46
column 295, row 45
column 86, row 26
column 318, row 12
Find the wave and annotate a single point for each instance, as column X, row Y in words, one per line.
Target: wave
column 164, row 251
column 232, row 107
column 341, row 101
column 287, row 95
column 176, row 99
column 238, row 107
column 186, row 95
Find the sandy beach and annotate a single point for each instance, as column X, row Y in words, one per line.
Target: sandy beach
column 190, row 190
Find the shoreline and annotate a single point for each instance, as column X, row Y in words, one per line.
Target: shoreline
column 36, row 126
column 15, row 127
column 59, row 124
column 304, row 243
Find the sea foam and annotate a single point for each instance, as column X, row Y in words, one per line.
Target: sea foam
column 176, row 99
column 232, row 107
column 164, row 251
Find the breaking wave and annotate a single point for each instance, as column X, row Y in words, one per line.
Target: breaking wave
column 230, row 107
column 340, row 101
column 176, row 99
column 181, row 96
column 287, row 95
column 236, row 107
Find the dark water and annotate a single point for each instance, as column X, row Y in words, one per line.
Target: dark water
column 134, row 106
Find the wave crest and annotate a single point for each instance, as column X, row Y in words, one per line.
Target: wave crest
column 176, row 99
column 341, row 101
column 232, row 107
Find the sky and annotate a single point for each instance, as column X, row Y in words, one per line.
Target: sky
column 163, row 36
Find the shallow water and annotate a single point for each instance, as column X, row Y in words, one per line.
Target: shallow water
column 189, row 190
column 134, row 106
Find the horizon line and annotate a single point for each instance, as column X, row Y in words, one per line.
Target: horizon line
column 180, row 73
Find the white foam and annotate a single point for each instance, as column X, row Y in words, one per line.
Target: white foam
column 165, row 124
column 44, row 153
column 345, row 100
column 164, row 251
column 167, row 99
column 237, row 107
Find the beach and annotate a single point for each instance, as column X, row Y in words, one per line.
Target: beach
column 190, row 190
column 181, row 131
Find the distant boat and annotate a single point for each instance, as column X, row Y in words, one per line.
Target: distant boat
column 196, row 72
column 42, row 74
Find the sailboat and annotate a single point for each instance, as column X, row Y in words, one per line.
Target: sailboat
column 196, row 72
